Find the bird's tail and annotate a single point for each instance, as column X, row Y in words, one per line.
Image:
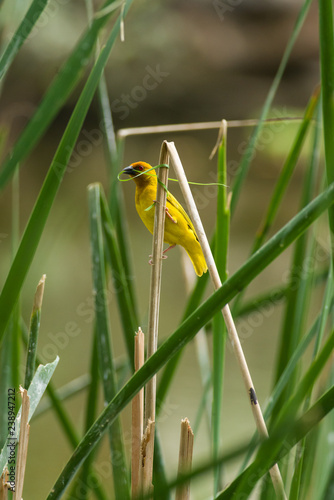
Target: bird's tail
column 198, row 260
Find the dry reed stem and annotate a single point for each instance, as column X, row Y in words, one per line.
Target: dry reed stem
column 137, row 419
column 185, row 127
column 153, row 318
column 147, row 449
column 4, row 485
column 185, row 459
column 23, row 445
column 231, row 329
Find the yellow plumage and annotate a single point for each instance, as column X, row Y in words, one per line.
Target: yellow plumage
column 179, row 229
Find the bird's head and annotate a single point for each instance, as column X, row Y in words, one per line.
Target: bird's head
column 141, row 172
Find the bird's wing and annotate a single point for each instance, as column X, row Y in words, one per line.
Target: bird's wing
column 173, row 201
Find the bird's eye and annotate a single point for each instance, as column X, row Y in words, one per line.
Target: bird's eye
column 139, row 168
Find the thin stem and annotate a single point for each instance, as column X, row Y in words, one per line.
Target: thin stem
column 232, row 332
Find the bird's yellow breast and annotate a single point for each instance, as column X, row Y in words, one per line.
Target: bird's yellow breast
column 177, row 229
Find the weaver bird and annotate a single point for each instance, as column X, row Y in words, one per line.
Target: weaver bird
column 179, row 229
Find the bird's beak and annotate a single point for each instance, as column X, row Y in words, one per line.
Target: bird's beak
column 129, row 171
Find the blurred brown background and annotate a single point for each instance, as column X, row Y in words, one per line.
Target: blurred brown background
column 181, row 62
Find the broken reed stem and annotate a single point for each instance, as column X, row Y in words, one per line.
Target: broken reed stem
column 185, row 459
column 231, row 329
column 146, row 465
column 155, row 287
column 23, row 445
column 147, row 447
column 185, row 127
column 4, row 485
column 137, row 419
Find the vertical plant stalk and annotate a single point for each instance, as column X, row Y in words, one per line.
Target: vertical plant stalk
column 4, row 485
column 218, row 326
column 231, row 329
column 34, row 330
column 185, row 459
column 137, row 419
column 104, row 346
column 153, row 319
column 326, row 31
column 23, row 445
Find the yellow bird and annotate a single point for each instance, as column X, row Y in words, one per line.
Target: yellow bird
column 179, row 229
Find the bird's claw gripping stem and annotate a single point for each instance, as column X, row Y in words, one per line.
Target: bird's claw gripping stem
column 163, row 256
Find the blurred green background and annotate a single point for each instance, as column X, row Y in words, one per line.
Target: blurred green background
column 180, row 62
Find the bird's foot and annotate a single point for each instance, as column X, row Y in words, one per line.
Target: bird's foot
column 163, row 256
column 173, row 220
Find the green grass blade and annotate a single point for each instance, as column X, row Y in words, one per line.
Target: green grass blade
column 82, row 482
column 327, row 85
column 39, row 215
column 270, row 450
column 103, row 332
column 125, row 304
column 247, row 158
column 298, row 287
column 219, row 329
column 67, row 391
column 170, row 369
column 185, row 332
column 308, row 380
column 277, row 446
column 33, row 334
column 56, row 397
column 35, row 392
column 21, row 34
column 283, row 381
column 287, row 171
column 115, row 196
column 57, row 94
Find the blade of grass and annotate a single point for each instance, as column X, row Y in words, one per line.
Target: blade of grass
column 277, row 446
column 35, row 392
column 301, row 448
column 39, row 215
column 246, row 159
column 58, row 92
column 297, row 287
column 287, row 171
column 125, row 304
column 308, row 380
column 83, row 482
column 116, row 202
column 185, row 332
column 56, row 403
column 283, row 381
column 170, row 369
column 115, row 196
column 23, row 31
column 103, row 332
column 283, row 180
column 218, row 327
column 273, row 297
column 326, row 33
column 33, row 334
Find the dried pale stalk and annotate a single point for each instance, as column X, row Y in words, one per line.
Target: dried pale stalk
column 4, row 485
column 231, row 329
column 147, row 449
column 153, row 318
column 23, row 445
column 137, row 419
column 185, row 127
column 158, row 237
column 185, row 459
